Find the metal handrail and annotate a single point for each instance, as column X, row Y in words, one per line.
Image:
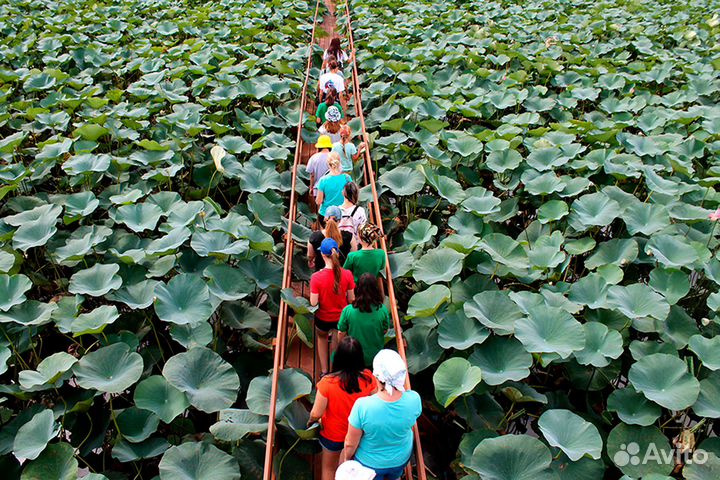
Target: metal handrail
column 280, row 338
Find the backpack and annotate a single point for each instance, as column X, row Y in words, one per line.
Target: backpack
column 347, row 222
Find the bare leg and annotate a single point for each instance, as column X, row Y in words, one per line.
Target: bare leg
column 329, row 464
column 322, row 350
column 334, row 341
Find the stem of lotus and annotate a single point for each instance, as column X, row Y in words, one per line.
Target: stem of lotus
column 279, row 475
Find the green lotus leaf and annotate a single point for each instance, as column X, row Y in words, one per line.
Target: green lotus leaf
column 504, row 160
column 32, row 438
column 198, row 461
column 184, row 214
column 136, row 296
column 632, row 407
column 12, row 290
column 193, row 335
column 243, row 316
column 580, row 246
column 702, row 467
column 228, row 283
column 638, row 301
column 545, row 184
column 87, row 163
column 707, row 350
column 438, row 265
column 481, row 201
column 156, row 395
column 402, row 181
column 126, row 451
column 626, row 440
column 501, row 359
column 7, row 261
column 94, row 321
column 512, row 457
column 590, row 290
column 459, row 331
column 111, row 369
column 172, row 241
column 707, row 404
column 613, row 252
column 673, row 284
column 50, row 372
column 495, row 310
column 423, row 348
column 40, row 81
column 57, row 462
column 185, row 299
column 448, row 189
column 646, row 218
column 552, row 211
column 90, row 131
column 427, row 302
column 139, row 217
column 453, row 378
column 5, row 354
column 586, row 467
column 419, row 232
column 672, row 251
column 545, row 252
column 35, row 226
column 550, row 330
column 601, row 345
column 234, row 144
column 665, row 380
column 96, row 281
column 28, row 313
column 218, row 243
column 595, row 209
column 571, row 434
column 136, row 425
column 210, row 383
column 233, row 424
column 292, row 384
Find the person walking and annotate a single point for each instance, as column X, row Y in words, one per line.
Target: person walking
column 331, row 127
column 367, row 259
column 317, row 165
column 347, row 150
column 331, row 100
column 330, row 186
column 330, row 230
column 367, row 319
column 335, row 397
column 353, row 215
column 331, row 289
column 380, row 433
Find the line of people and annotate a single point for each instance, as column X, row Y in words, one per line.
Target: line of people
column 366, row 416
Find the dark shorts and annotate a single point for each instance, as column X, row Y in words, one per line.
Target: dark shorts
column 330, row 445
column 325, row 326
column 387, row 473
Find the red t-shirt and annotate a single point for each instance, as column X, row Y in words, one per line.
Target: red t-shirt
column 340, row 402
column 330, row 304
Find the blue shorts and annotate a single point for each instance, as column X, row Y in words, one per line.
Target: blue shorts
column 330, row 445
column 387, row 473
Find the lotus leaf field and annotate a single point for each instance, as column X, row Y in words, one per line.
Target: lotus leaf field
column 548, row 177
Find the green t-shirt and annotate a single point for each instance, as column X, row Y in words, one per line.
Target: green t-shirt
column 365, row 261
column 322, row 110
column 367, row 327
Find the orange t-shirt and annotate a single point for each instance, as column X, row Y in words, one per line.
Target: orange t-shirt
column 340, row 402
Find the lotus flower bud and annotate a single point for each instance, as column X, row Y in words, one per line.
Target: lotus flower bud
column 218, row 153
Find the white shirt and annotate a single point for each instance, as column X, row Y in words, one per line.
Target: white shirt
column 336, row 79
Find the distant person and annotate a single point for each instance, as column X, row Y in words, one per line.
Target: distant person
column 332, row 126
column 317, row 165
column 380, row 433
column 347, row 150
column 335, row 397
column 368, row 259
column 330, row 230
column 330, row 186
column 331, row 100
column 367, row 318
column 353, row 215
column 335, row 52
column 332, row 78
column 331, row 289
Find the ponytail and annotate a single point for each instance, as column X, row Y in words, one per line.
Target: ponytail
column 332, row 230
column 337, row 269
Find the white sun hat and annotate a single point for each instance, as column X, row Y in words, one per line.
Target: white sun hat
column 352, row 470
column 390, row 369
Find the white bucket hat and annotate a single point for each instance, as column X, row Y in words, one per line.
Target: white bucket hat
column 352, row 470
column 332, row 114
column 390, row 369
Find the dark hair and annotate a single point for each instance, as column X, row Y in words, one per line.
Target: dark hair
column 331, row 97
column 367, row 293
column 333, row 64
column 349, row 365
column 334, row 48
column 351, row 192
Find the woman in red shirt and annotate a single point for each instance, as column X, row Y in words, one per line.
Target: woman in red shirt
column 335, row 397
column 331, row 289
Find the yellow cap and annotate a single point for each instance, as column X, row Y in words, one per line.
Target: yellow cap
column 324, row 142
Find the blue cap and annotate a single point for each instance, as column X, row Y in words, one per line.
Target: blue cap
column 328, row 245
column 333, row 211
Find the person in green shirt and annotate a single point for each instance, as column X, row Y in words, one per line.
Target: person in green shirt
column 330, row 100
column 367, row 319
column 368, row 259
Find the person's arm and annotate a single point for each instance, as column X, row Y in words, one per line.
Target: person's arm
column 352, row 440
column 351, row 295
column 319, row 198
column 317, row 115
column 314, row 291
column 318, row 409
column 359, row 151
column 310, row 255
column 314, row 299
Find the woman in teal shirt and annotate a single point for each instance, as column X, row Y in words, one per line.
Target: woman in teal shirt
column 330, row 187
column 380, row 432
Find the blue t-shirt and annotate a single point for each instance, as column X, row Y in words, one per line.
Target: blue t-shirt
column 346, row 152
column 387, row 438
column 332, row 186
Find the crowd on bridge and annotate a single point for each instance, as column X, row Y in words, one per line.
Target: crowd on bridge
column 366, row 415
